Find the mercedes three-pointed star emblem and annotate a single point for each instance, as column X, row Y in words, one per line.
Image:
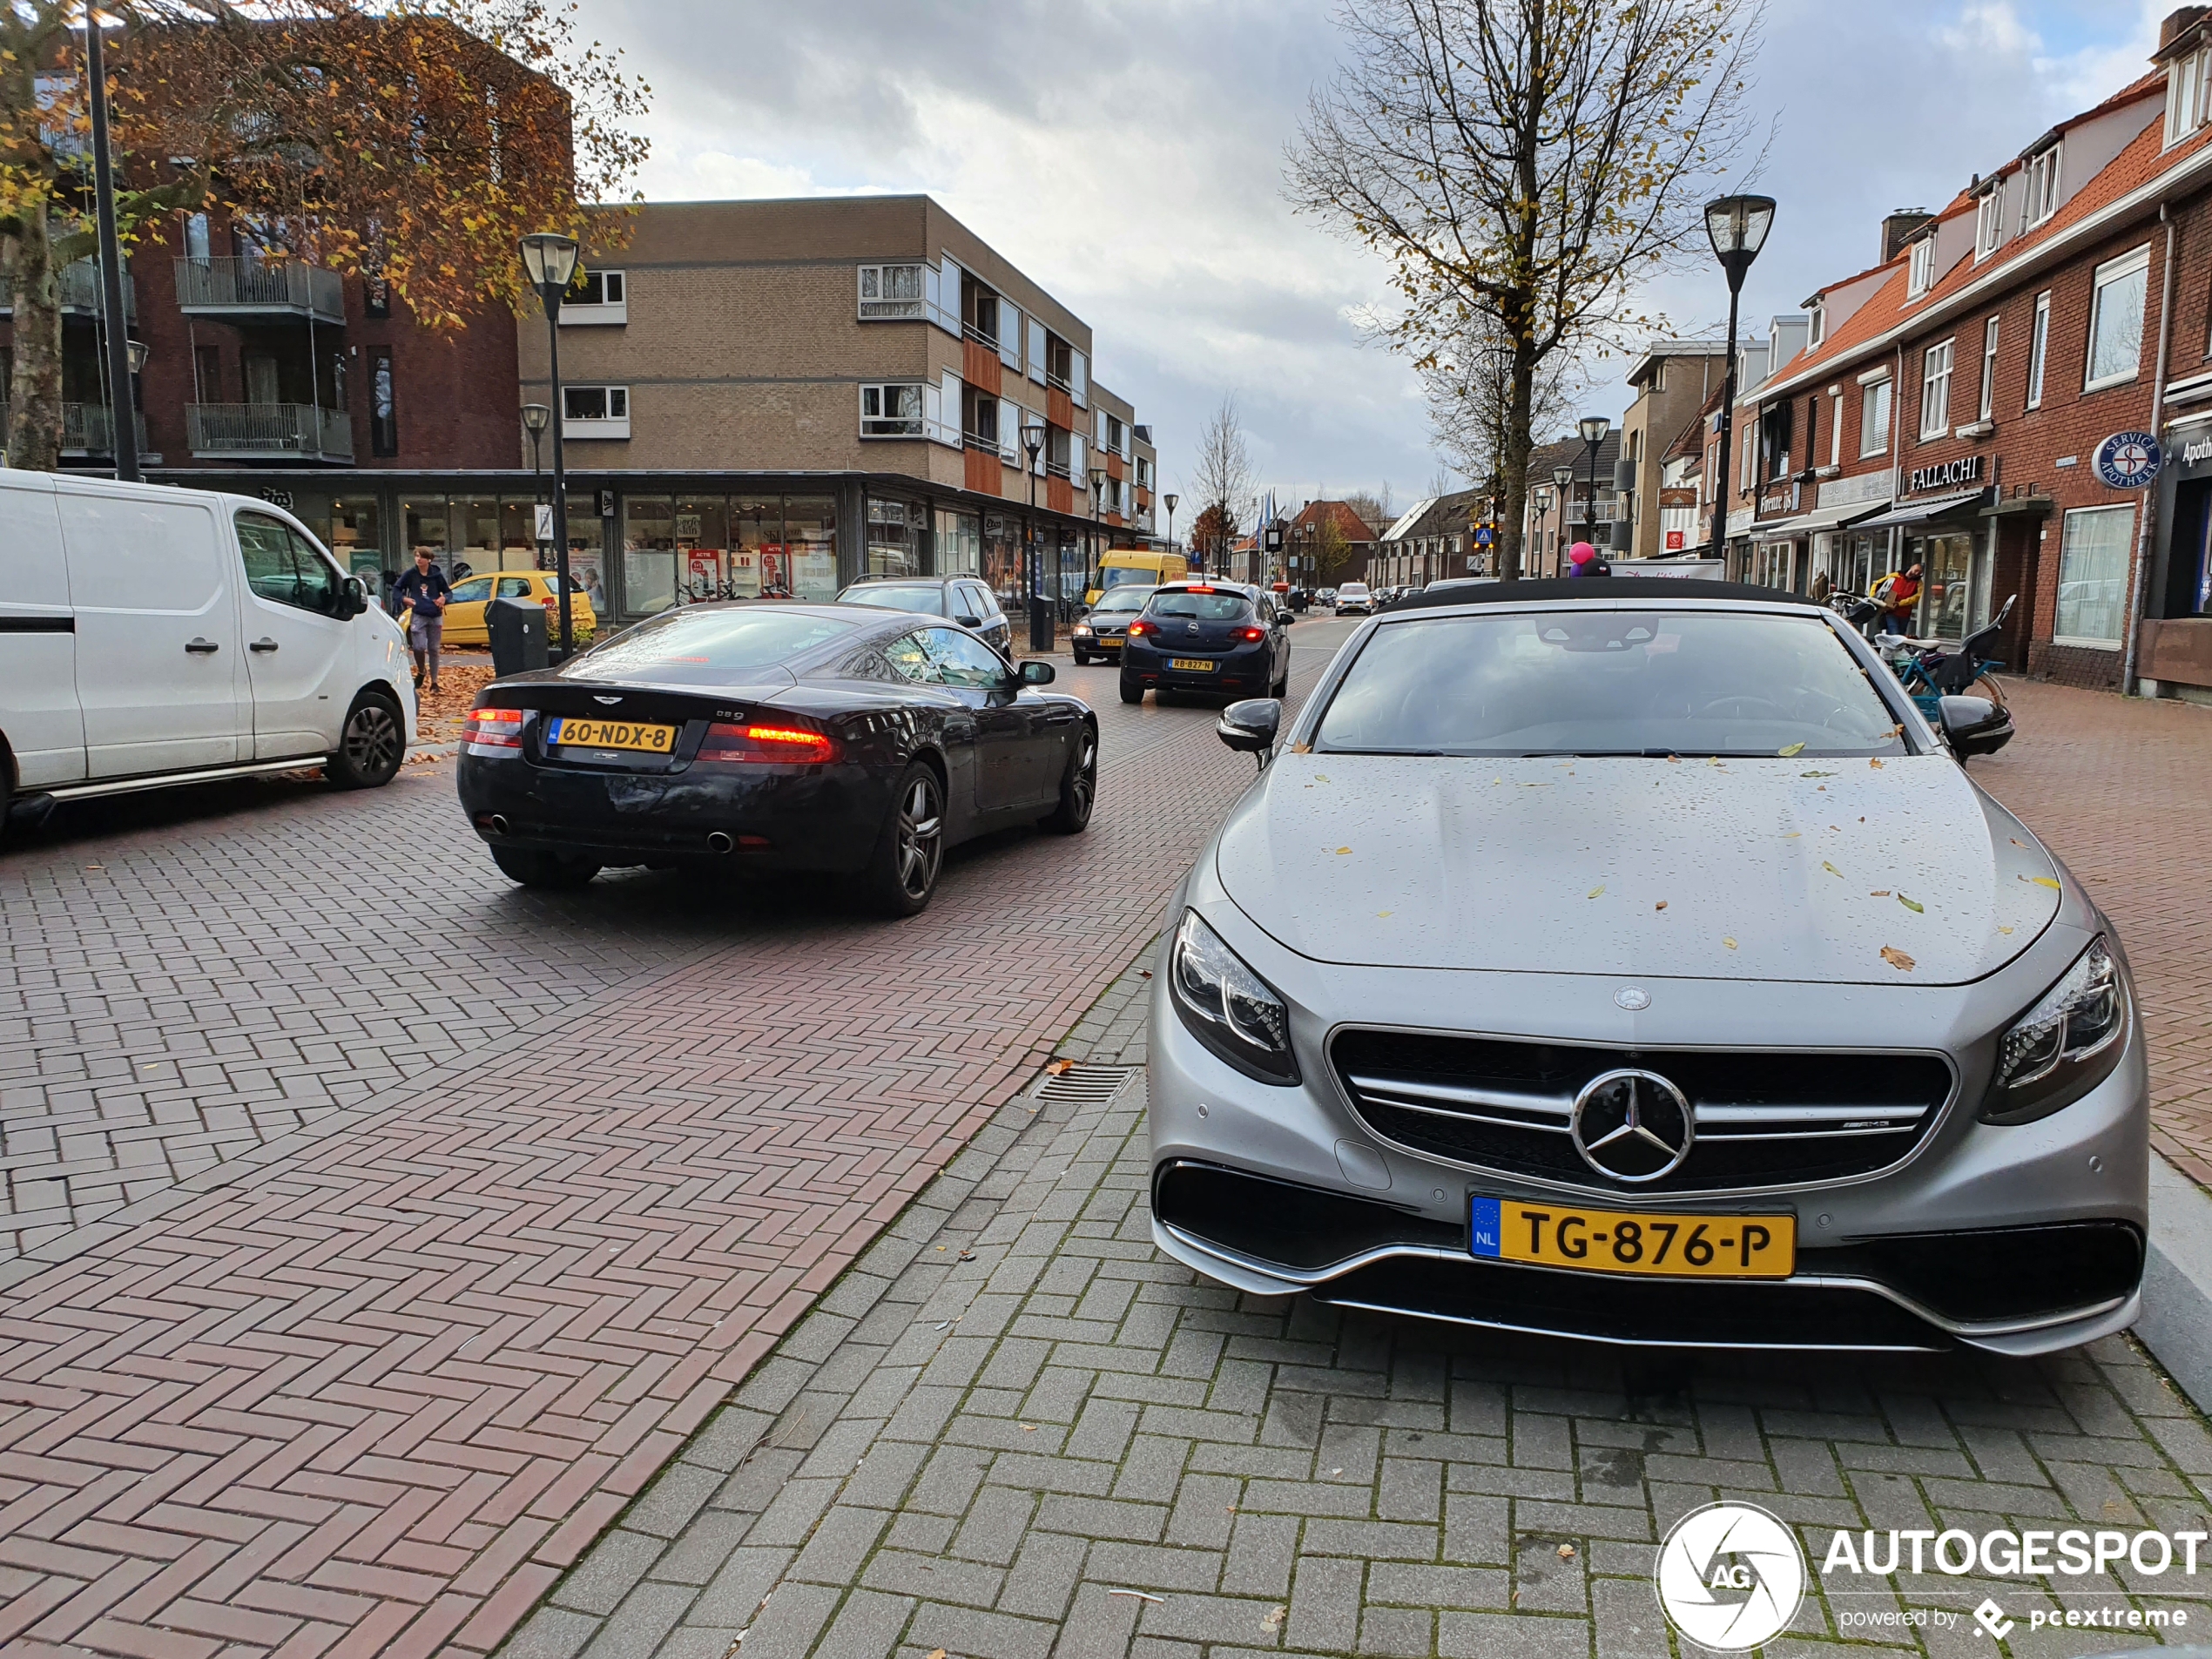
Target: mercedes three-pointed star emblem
column 1633, row 1126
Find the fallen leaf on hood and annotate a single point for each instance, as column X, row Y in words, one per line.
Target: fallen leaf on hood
column 1815, row 774
column 2003, row 930
column 1301, row 748
column 1497, row 780
column 1594, row 891
column 1794, row 835
column 1913, row 905
column 1320, row 776
column 1674, row 760
column 1789, row 748
column 2016, row 841
column 1831, row 869
column 1879, row 893
column 1380, row 915
column 1897, row 959
column 1661, row 905
column 1876, row 764
column 2044, row 881
column 1342, row 851
column 1725, row 939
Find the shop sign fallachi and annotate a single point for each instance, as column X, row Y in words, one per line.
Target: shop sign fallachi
column 2129, row 459
column 1948, row 474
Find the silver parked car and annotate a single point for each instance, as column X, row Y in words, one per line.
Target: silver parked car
column 1631, row 961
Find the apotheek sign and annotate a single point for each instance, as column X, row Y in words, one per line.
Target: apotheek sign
column 1949, row 476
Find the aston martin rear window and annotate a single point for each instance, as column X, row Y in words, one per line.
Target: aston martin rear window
column 1586, row 682
column 705, row 645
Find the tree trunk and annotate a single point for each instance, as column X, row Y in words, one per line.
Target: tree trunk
column 35, row 391
column 1518, row 440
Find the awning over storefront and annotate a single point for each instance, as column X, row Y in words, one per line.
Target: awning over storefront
column 1827, row 518
column 1919, row 512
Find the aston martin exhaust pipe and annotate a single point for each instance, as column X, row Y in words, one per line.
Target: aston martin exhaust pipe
column 721, row 842
column 499, row 823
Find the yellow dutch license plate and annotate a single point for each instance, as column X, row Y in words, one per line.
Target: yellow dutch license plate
column 1196, row 665
column 1621, row 1241
column 573, row 733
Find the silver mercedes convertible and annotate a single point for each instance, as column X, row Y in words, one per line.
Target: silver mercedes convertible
column 1627, row 958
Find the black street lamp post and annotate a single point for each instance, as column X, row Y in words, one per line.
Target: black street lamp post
column 1737, row 225
column 535, row 418
column 1170, row 501
column 1097, row 502
column 1563, row 481
column 1592, row 428
column 1040, row 607
column 123, row 407
column 548, row 260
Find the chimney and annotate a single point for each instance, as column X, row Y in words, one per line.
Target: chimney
column 2178, row 20
column 1897, row 228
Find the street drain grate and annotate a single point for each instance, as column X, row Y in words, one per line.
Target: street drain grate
column 1083, row 1085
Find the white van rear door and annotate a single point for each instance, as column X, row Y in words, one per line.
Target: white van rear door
column 159, row 668
column 298, row 638
column 39, row 718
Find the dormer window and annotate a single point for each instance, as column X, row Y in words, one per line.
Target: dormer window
column 1920, row 273
column 1989, row 222
column 2184, row 95
column 2043, row 173
column 1816, row 328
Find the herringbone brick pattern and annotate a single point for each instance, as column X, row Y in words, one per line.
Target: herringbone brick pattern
column 2119, row 788
column 369, row 1388
column 1017, row 1432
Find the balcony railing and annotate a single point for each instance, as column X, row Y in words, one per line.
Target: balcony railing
column 80, row 291
column 238, row 289
column 1608, row 508
column 88, row 429
column 260, row 431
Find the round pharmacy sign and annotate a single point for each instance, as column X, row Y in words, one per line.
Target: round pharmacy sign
column 2129, row 459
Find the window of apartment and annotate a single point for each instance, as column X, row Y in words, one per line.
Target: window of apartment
column 893, row 290
column 2039, row 346
column 2120, row 289
column 1874, row 417
column 1988, row 403
column 1836, row 428
column 383, row 403
column 596, row 297
column 2184, row 97
column 1058, row 361
column 1816, row 325
column 594, row 411
column 2043, row 173
column 982, row 424
column 1989, row 222
column 1055, row 451
column 1143, row 473
column 1920, row 273
column 2092, row 575
column 893, row 409
column 1935, row 389
column 1659, row 375
column 1116, row 435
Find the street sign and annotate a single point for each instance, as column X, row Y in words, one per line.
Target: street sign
column 545, row 521
column 2129, row 459
column 1484, row 535
column 1675, row 541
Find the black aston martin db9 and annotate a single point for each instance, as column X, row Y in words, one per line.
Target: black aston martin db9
column 836, row 738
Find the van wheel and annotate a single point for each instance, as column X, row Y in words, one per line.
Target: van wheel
column 371, row 746
column 534, row 868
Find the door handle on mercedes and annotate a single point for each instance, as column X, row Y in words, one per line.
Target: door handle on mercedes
column 263, row 643
column 199, row 647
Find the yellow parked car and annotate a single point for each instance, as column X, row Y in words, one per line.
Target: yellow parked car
column 465, row 611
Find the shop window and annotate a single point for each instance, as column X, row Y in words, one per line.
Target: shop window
column 2039, row 346
column 894, row 409
column 2120, row 290
column 475, row 523
column 895, row 537
column 426, row 522
column 810, row 527
column 959, row 542
column 594, row 411
column 383, row 403
column 596, row 297
column 757, row 542
column 2093, row 576
column 892, row 292
column 353, row 532
column 702, row 549
column 648, row 555
column 1935, row 389
column 587, row 552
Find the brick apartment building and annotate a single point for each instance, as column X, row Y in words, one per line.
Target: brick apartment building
column 1673, row 379
column 1303, row 535
column 1947, row 407
column 759, row 397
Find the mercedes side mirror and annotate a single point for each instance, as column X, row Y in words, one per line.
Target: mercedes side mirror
column 1974, row 725
column 1037, row 673
column 1251, row 727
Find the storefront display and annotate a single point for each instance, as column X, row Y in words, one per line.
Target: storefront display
column 810, row 534
column 649, row 561
column 959, row 542
column 2093, row 576
column 1946, row 570
column 1002, row 561
column 424, row 520
column 895, row 537
column 587, row 561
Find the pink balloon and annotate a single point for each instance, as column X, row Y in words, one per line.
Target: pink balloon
column 1581, row 553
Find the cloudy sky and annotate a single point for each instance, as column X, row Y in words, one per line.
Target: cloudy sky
column 1128, row 154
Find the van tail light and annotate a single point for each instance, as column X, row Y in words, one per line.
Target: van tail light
column 1252, row 633
column 496, row 732
column 1138, row 629
column 776, row 745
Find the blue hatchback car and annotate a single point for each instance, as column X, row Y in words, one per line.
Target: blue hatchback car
column 1222, row 639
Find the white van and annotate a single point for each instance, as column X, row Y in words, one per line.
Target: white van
column 151, row 636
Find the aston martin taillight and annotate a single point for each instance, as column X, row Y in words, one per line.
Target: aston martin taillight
column 494, row 732
column 778, row 745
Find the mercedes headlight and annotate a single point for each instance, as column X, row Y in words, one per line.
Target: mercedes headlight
column 1229, row 1008
column 2063, row 1046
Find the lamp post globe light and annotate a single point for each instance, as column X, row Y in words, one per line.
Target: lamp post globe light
column 549, row 260
column 1737, row 227
column 1040, row 606
column 1097, row 500
column 535, row 418
column 1563, row 482
column 1592, row 428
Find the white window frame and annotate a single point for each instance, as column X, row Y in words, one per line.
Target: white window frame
column 1986, row 408
column 1989, row 222
column 1874, row 435
column 2045, row 173
column 603, row 313
column 873, row 307
column 915, row 426
column 1816, row 329
column 2039, row 349
column 1659, row 375
column 1920, row 267
column 1836, row 429
column 612, row 425
column 2092, row 642
column 2184, row 97
column 1936, row 363
column 2107, row 276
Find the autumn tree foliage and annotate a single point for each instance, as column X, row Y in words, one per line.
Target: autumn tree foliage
column 411, row 142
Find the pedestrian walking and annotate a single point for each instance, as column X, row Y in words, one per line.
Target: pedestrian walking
column 422, row 593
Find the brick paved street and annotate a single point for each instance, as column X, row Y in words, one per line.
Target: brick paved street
column 1015, row 1431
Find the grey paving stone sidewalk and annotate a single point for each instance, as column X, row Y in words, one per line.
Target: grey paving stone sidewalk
column 1015, row 1431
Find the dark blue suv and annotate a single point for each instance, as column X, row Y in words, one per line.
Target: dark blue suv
column 1218, row 638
